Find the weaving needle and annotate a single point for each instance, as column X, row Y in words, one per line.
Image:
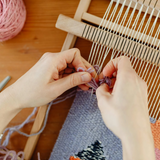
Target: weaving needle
column 2, row 85
column 4, row 82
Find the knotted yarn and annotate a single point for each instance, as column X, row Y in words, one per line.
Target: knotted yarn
column 93, row 84
column 12, row 18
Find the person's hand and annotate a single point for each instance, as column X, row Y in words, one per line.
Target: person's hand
column 124, row 109
column 52, row 75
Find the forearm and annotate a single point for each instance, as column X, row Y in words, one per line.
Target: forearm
column 8, row 108
column 139, row 148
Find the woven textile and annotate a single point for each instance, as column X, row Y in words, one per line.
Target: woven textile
column 156, row 133
column 157, row 151
column 84, row 126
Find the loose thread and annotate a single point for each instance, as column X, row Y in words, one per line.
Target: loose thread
column 18, row 127
column 93, row 84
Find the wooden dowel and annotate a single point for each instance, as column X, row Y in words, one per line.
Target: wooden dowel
column 96, row 20
column 70, row 38
column 32, row 141
column 93, row 34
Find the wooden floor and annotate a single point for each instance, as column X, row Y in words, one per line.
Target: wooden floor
column 38, row 36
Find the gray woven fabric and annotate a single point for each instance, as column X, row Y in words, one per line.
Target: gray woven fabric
column 152, row 120
column 83, row 126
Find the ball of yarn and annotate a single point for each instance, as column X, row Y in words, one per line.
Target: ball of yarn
column 12, row 18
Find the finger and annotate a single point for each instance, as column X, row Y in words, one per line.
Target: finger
column 70, row 81
column 83, row 87
column 114, row 74
column 113, row 80
column 101, row 76
column 65, row 75
column 120, row 64
column 103, row 96
column 88, row 65
column 73, row 56
column 102, row 90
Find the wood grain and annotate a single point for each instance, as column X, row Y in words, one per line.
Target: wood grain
column 38, row 124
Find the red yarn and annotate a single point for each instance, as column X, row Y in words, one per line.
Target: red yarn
column 12, row 18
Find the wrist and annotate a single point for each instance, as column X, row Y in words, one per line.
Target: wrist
column 9, row 100
column 138, row 146
column 9, row 107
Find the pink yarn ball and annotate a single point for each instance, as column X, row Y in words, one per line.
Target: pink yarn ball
column 12, row 18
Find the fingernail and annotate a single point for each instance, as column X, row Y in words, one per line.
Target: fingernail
column 85, row 78
column 104, row 84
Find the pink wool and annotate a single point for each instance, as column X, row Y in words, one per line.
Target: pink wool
column 12, row 18
column 157, row 151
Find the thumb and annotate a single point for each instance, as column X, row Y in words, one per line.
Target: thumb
column 71, row 81
column 103, row 96
column 103, row 90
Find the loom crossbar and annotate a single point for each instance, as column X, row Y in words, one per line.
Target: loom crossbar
column 107, row 38
column 110, row 25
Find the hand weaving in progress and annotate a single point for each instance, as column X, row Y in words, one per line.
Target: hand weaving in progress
column 122, row 31
column 128, row 28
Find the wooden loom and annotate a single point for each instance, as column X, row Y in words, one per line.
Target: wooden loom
column 141, row 47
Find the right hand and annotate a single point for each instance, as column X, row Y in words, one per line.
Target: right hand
column 124, row 109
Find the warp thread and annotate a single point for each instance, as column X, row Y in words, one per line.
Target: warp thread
column 12, row 18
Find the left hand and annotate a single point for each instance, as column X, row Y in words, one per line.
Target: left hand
column 52, row 75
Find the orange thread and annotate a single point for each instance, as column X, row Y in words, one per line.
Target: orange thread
column 156, row 133
column 73, row 158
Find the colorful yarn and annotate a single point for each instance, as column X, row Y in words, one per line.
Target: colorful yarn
column 12, row 18
column 93, row 84
column 17, row 128
column 157, row 152
column 73, row 158
column 83, row 126
column 152, row 120
column 10, row 155
column 92, row 152
column 156, row 133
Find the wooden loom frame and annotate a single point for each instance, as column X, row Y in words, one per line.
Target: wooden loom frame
column 81, row 14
